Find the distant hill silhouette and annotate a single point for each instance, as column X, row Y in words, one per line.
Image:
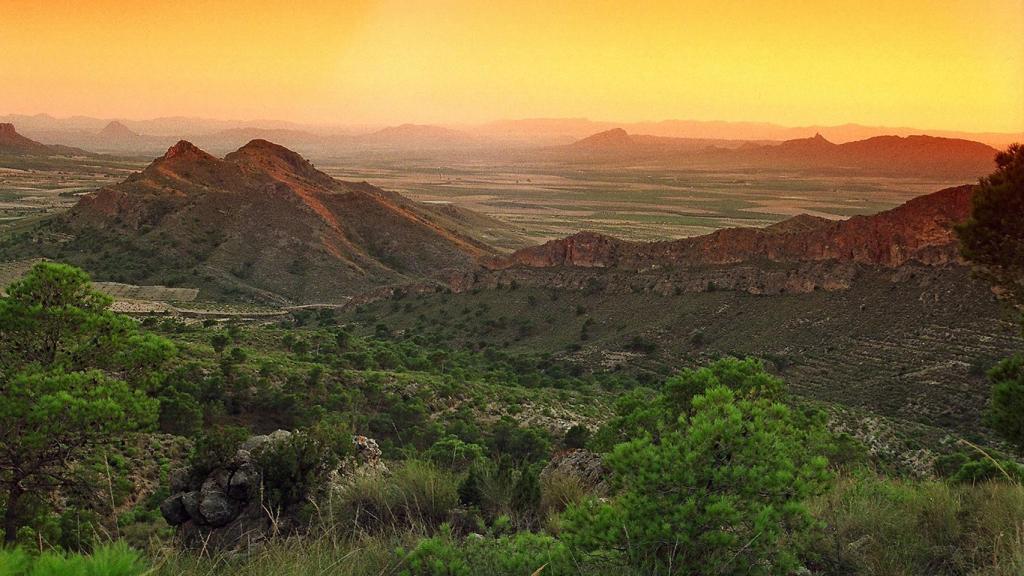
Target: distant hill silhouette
column 911, row 155
column 14, row 144
column 412, row 136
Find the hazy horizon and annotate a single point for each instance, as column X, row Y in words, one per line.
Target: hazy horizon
column 794, row 63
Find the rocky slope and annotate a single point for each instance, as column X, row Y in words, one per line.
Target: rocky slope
column 920, row 230
column 266, row 220
column 801, row 254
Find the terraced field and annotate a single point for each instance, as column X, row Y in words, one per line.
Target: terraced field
column 32, row 188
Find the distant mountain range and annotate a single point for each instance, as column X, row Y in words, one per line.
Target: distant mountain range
column 553, row 131
column 14, row 144
column 217, row 134
column 895, row 155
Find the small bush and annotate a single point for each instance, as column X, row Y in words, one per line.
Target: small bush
column 576, row 437
column 451, row 452
column 725, row 490
column 297, row 467
column 519, row 555
column 111, row 560
column 216, row 447
column 416, row 495
column 886, row 526
column 559, row 491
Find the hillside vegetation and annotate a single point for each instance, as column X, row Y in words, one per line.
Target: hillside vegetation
column 582, row 424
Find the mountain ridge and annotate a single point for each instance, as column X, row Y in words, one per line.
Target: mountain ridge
column 920, row 230
column 320, row 239
column 888, row 154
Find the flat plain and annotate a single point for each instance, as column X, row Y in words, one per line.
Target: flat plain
column 548, row 201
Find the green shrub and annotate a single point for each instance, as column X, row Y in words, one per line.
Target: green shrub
column 423, row 492
column 522, row 554
column 576, row 437
column 451, row 452
column 559, row 491
column 436, row 557
column 526, row 497
column 111, row 560
column 724, row 491
column 214, row 448
column 984, row 469
column 1006, row 414
column 296, row 468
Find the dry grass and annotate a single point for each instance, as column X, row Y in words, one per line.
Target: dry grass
column 893, row 527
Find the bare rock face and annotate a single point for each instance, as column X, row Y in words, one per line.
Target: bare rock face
column 920, row 230
column 582, row 465
column 801, row 254
column 368, row 456
column 224, row 508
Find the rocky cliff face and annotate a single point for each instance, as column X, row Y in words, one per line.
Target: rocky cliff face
column 801, row 254
column 920, row 230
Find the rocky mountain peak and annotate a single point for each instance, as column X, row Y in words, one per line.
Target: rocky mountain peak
column 608, row 138
column 278, row 161
column 117, row 130
column 184, row 150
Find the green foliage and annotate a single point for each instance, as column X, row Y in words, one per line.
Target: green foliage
column 876, row 525
column 520, row 444
column 576, row 437
column 519, row 555
column 219, row 341
column 526, row 495
column 994, row 235
column 296, row 468
column 436, row 557
column 643, row 411
column 416, row 495
column 1006, row 414
column 453, row 453
column 215, row 447
column 983, row 469
column 73, row 376
column 110, row 560
column 724, row 490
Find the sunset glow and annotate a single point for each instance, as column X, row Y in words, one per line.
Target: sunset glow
column 944, row 65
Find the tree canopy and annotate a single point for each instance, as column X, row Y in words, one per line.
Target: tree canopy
column 73, row 376
column 994, row 234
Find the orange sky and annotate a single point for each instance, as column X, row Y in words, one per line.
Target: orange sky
column 951, row 64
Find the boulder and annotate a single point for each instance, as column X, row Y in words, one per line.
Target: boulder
column 173, row 510
column 215, row 507
column 583, row 465
column 224, row 509
column 244, row 482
